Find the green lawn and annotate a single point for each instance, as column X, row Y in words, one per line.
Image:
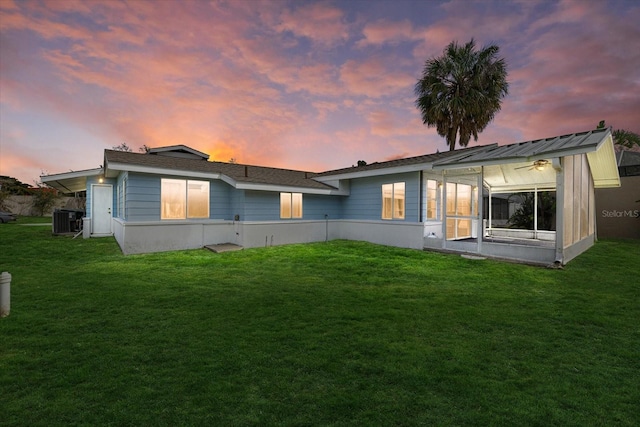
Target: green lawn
column 337, row 334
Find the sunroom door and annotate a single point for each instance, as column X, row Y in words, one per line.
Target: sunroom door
column 460, row 211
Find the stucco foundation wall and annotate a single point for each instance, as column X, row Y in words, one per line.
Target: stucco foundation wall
column 390, row 233
column 273, row 233
column 136, row 238
column 118, row 230
column 146, row 237
column 434, row 227
column 524, row 253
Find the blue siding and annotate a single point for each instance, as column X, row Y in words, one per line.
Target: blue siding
column 142, row 200
column 265, row 206
column 219, row 197
column 143, row 197
column 237, row 203
column 365, row 200
column 315, row 206
column 261, row 206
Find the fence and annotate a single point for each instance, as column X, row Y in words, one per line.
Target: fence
column 23, row 205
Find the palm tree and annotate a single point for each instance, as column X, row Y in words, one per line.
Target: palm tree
column 461, row 91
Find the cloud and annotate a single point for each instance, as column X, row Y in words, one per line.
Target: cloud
column 375, row 77
column 577, row 74
column 322, row 23
column 387, row 32
column 295, row 84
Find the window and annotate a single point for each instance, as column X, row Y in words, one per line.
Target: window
column 182, row 199
column 290, row 205
column 393, row 201
column 197, row 199
column 432, row 200
column 459, row 199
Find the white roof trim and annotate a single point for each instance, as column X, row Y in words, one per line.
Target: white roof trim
column 290, row 189
column 179, row 147
column 70, row 182
column 374, row 172
column 126, row 167
column 71, row 175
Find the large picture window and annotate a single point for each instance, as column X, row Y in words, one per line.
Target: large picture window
column 182, row 199
column 290, row 205
column 393, row 201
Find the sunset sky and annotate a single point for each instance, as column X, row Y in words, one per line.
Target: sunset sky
column 295, row 84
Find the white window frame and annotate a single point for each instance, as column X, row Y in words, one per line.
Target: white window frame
column 291, row 206
column 398, row 193
column 184, row 199
column 122, row 198
column 433, row 197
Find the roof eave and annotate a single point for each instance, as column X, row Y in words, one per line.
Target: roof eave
column 291, row 189
column 126, row 167
column 603, row 164
column 70, row 182
column 375, row 172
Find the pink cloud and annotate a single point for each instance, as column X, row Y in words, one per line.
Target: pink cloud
column 8, row 5
column 238, row 79
column 320, row 22
column 383, row 32
column 375, row 77
column 576, row 74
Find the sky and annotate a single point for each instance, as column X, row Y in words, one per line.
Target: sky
column 308, row 85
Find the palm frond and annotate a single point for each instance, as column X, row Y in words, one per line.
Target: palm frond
column 460, row 92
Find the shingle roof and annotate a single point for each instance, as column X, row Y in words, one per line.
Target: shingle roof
column 238, row 172
column 408, row 161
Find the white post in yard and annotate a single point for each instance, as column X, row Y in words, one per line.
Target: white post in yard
column 5, row 294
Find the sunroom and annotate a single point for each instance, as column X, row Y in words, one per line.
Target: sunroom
column 533, row 201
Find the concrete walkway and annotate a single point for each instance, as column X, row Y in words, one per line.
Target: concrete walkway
column 224, row 247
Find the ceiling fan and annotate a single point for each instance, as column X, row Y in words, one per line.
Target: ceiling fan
column 537, row 165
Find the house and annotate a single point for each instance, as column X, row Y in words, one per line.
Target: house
column 174, row 198
column 618, row 209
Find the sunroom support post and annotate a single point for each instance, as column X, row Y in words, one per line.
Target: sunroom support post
column 479, row 207
column 444, row 210
column 535, row 212
column 490, row 210
column 560, row 213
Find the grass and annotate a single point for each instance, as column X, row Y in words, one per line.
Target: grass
column 337, row 334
